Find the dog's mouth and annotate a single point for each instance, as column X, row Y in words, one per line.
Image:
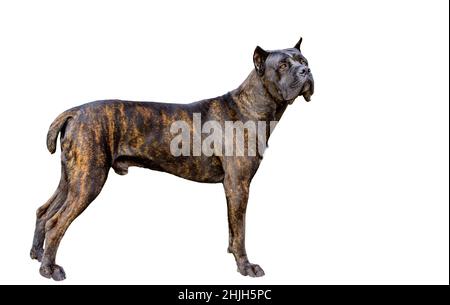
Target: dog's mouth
column 307, row 90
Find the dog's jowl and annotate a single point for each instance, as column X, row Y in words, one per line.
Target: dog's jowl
column 168, row 137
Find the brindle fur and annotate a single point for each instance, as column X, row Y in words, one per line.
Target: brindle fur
column 119, row 134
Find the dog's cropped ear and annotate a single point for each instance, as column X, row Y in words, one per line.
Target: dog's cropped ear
column 297, row 46
column 259, row 59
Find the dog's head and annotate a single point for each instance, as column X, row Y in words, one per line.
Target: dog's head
column 284, row 73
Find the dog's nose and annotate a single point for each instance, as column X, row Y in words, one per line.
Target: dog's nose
column 305, row 70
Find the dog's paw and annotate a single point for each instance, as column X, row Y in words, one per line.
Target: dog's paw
column 36, row 254
column 251, row 270
column 53, row 271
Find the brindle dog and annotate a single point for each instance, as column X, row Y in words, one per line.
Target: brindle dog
column 118, row 134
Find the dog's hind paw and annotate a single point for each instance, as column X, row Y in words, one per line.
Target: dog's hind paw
column 36, row 254
column 53, row 271
column 251, row 270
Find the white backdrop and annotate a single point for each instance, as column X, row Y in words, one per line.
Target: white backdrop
column 353, row 188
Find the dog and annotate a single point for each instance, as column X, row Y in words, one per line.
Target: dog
column 117, row 134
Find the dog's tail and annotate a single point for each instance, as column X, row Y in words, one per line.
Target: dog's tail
column 58, row 125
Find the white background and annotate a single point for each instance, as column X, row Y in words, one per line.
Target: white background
column 353, row 188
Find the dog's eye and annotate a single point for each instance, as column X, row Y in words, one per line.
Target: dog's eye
column 283, row 66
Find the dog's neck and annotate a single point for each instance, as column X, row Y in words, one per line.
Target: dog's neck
column 255, row 102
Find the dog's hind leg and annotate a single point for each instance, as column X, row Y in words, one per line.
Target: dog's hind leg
column 44, row 213
column 84, row 184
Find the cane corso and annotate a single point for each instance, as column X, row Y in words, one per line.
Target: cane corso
column 118, row 134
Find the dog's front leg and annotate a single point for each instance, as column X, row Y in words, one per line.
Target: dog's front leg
column 236, row 191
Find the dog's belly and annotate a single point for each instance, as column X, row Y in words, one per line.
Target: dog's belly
column 200, row 169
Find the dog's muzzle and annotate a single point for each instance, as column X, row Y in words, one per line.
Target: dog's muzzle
column 308, row 89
